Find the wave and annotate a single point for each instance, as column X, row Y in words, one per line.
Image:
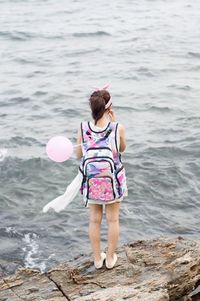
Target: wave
column 129, row 77
column 20, row 171
column 66, row 112
column 91, row 34
column 6, row 201
column 168, row 152
column 127, row 108
column 18, row 35
column 134, row 39
column 31, row 252
column 14, row 101
column 194, row 54
column 164, row 109
column 40, row 93
column 185, row 87
column 145, row 71
column 160, row 109
column 80, row 52
column 23, row 61
column 27, row 36
column 20, row 141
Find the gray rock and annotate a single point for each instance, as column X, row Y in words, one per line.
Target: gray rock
column 28, row 284
column 155, row 270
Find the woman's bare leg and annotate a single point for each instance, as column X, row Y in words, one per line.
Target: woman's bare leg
column 96, row 213
column 112, row 216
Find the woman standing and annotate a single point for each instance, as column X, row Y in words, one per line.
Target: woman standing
column 104, row 180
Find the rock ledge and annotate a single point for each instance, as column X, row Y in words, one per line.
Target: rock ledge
column 154, row 270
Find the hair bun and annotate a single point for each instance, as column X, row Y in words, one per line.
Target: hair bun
column 98, row 101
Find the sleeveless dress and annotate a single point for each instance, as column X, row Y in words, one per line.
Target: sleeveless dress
column 114, row 140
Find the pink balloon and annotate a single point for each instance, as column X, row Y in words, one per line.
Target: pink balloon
column 59, row 149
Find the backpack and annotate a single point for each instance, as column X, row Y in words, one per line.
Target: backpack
column 98, row 164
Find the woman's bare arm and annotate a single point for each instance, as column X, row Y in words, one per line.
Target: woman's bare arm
column 122, row 135
column 121, row 129
column 79, row 152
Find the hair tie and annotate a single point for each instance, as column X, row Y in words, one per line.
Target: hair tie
column 108, row 104
column 103, row 88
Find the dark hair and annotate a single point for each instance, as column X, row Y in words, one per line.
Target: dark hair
column 98, row 100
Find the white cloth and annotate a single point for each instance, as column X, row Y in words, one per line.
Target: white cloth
column 61, row 202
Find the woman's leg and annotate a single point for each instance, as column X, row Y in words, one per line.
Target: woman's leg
column 96, row 213
column 112, row 216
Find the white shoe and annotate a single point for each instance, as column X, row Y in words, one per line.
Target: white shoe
column 112, row 263
column 98, row 264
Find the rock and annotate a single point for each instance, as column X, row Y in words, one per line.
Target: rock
column 28, row 284
column 156, row 270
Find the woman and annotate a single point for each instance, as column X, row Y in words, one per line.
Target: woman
column 104, row 176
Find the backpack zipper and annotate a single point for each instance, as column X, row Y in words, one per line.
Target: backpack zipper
column 97, row 148
column 101, row 160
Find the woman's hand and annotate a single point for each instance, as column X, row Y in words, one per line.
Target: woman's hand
column 112, row 115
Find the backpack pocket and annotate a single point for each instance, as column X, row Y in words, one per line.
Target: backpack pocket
column 100, row 188
column 121, row 181
column 98, row 166
column 99, row 174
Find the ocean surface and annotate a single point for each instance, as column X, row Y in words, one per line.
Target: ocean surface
column 53, row 54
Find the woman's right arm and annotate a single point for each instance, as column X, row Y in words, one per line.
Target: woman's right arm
column 79, row 152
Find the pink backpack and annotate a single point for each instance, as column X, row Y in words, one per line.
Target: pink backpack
column 102, row 169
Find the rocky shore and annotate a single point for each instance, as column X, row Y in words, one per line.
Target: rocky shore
column 165, row 269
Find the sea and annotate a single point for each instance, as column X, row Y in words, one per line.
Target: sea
column 52, row 56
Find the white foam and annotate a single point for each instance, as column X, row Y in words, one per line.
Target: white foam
column 33, row 253
column 12, row 230
column 3, row 153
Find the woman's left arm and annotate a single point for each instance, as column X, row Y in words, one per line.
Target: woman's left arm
column 122, row 144
column 79, row 152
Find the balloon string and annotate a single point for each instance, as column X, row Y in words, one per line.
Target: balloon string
column 95, row 140
column 78, row 144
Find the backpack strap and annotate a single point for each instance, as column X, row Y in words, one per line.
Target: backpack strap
column 114, row 140
column 90, row 136
column 86, row 133
column 85, row 130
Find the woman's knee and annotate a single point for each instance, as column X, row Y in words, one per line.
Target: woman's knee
column 112, row 219
column 96, row 214
column 96, row 217
column 112, row 213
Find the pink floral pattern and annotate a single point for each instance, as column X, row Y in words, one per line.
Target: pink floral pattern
column 101, row 189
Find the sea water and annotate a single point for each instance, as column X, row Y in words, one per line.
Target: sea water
column 53, row 54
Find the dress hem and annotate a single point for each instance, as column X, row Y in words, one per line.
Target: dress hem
column 94, row 202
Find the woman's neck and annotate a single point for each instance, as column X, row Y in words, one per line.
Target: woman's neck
column 103, row 121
